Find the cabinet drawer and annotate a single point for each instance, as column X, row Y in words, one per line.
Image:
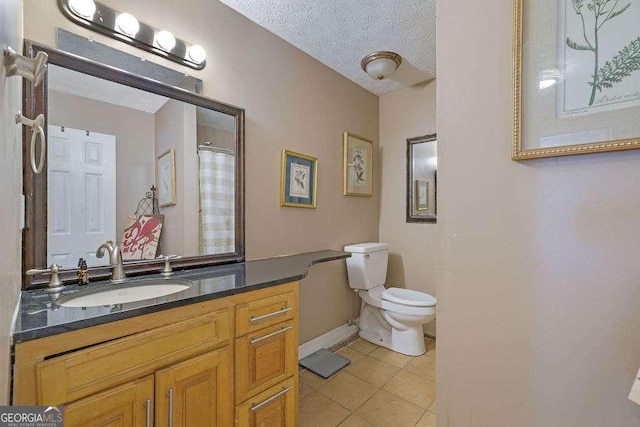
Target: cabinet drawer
column 81, row 373
column 276, row 407
column 265, row 358
column 255, row 315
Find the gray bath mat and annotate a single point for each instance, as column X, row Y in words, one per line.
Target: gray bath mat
column 324, row 362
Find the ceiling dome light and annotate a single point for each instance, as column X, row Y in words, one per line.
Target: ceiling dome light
column 127, row 24
column 84, row 8
column 197, row 54
column 380, row 65
column 165, row 40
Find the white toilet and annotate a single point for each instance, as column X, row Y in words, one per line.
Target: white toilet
column 391, row 317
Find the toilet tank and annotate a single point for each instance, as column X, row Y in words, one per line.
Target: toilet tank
column 367, row 266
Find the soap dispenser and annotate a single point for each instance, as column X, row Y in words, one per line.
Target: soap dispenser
column 83, row 272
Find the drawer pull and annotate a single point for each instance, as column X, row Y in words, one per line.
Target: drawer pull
column 255, row 340
column 171, row 407
column 266, row 316
column 147, row 405
column 271, row 399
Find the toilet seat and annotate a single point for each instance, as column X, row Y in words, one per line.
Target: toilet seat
column 374, row 297
column 408, row 297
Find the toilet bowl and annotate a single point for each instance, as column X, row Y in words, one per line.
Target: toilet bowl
column 389, row 317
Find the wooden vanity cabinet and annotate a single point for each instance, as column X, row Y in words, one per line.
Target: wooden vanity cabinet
column 200, row 365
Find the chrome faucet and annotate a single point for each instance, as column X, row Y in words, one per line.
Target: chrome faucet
column 115, row 260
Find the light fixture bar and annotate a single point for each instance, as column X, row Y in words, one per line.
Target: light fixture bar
column 103, row 21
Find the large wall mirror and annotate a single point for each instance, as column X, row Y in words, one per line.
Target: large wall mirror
column 111, row 136
column 422, row 178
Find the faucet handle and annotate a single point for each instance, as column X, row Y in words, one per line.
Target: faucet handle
column 54, row 283
column 167, row 271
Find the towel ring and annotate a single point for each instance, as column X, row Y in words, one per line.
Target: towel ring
column 37, row 128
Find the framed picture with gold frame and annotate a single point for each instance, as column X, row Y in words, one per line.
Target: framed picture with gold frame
column 166, row 170
column 298, row 180
column 576, row 77
column 357, row 168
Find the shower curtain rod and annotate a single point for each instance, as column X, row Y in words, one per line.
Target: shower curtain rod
column 207, row 147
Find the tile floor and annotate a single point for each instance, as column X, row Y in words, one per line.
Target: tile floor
column 378, row 388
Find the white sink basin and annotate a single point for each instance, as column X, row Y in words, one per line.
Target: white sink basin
column 124, row 292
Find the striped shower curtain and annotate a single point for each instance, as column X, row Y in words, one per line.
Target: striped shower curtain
column 217, row 210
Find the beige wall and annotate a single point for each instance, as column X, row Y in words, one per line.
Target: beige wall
column 175, row 128
column 292, row 101
column 538, row 294
column 405, row 114
column 134, row 132
column 218, row 137
column 11, row 188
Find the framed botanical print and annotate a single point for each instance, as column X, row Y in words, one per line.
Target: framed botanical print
column 166, row 170
column 298, row 180
column 576, row 77
column 357, row 166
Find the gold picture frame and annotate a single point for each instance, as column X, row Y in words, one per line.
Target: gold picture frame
column 557, row 109
column 298, row 180
column 357, row 178
column 166, row 177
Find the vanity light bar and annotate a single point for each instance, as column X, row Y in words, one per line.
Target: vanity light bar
column 127, row 28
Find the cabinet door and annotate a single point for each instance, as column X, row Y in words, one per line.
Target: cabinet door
column 276, row 407
column 196, row 392
column 265, row 358
column 130, row 404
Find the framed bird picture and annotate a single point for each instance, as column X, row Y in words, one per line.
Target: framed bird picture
column 358, row 166
column 298, row 180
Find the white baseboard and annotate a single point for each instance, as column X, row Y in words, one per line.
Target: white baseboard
column 327, row 340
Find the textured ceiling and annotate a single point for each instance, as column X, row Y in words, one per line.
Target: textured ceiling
column 339, row 33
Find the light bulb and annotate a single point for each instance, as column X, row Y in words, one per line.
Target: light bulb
column 165, row 40
column 84, row 8
column 381, row 68
column 128, row 24
column 197, row 54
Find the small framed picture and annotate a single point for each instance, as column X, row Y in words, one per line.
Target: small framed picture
column 358, row 166
column 422, row 194
column 298, row 181
column 166, row 170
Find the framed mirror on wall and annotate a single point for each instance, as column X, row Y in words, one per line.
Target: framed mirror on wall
column 109, row 132
column 422, row 178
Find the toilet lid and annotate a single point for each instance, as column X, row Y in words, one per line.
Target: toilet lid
column 408, row 297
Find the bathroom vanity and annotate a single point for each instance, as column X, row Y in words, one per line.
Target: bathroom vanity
column 223, row 350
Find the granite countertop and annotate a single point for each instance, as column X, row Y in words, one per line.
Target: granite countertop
column 39, row 317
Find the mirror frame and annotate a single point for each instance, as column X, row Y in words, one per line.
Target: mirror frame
column 34, row 234
column 431, row 218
